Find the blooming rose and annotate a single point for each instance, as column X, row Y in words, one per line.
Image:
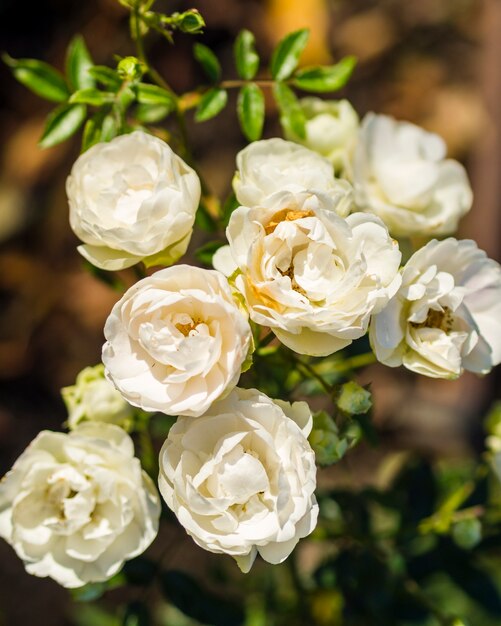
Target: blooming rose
column 94, row 398
column 446, row 317
column 177, row 340
column 400, row 173
column 274, row 165
column 331, row 129
column 132, row 199
column 76, row 506
column 312, row 277
column 241, row 478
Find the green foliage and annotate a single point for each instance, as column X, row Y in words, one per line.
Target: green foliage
column 322, row 79
column 106, row 76
column 208, row 61
column 291, row 113
column 205, row 253
column 286, row 55
column 211, row 104
column 353, row 399
column 62, row 123
column 137, row 614
column 41, row 78
column 92, row 97
column 250, row 110
column 78, row 64
column 246, row 57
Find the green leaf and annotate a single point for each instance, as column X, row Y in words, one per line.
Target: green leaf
column 211, row 103
column 39, row 77
column 207, row 251
column 208, row 61
column 62, row 123
column 322, row 79
column 250, row 110
column 286, row 55
column 100, row 127
column 353, row 399
column 152, row 113
column 106, row 76
column 136, row 614
column 246, row 57
column 291, row 113
column 152, row 94
column 93, row 96
column 78, row 64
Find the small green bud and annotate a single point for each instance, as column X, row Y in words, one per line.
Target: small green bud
column 325, row 441
column 467, row 533
column 130, row 68
column 190, row 22
column 353, row 399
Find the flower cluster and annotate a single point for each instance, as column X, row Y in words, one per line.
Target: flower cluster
column 311, row 255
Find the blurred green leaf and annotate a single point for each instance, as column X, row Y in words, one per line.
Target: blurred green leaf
column 136, row 614
column 93, row 97
column 106, row 76
column 246, row 57
column 211, row 104
column 291, row 113
column 140, row 571
column 39, row 77
column 353, row 399
column 322, row 79
column 100, row 127
column 286, row 55
column 152, row 94
column 78, row 64
column 467, row 533
column 207, row 251
column 152, row 113
column 208, row 61
column 62, row 123
column 250, row 110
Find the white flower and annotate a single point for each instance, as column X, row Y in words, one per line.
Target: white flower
column 177, row 340
column 94, row 398
column 241, row 478
column 132, row 199
column 331, row 129
column 76, row 506
column 446, row 317
column 312, row 277
column 400, row 173
column 274, row 165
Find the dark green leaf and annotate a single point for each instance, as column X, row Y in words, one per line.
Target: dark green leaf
column 195, row 602
column 211, row 103
column 62, row 123
column 250, row 110
column 93, row 129
column 106, row 76
column 78, row 64
column 136, row 614
column 291, row 113
column 207, row 251
column 94, row 97
column 246, row 57
column 286, row 55
column 140, row 571
column 208, row 61
column 152, row 113
column 39, row 77
column 152, row 94
column 325, row 78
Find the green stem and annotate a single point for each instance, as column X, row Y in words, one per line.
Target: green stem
column 354, row 362
column 311, row 373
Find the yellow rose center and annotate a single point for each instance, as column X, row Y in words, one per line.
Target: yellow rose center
column 286, row 215
column 437, row 319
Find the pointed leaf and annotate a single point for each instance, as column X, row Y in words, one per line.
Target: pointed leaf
column 286, row 55
column 39, row 77
column 93, row 96
column 208, row 61
column 246, row 57
column 100, row 127
column 78, row 64
column 106, row 76
column 152, row 113
column 322, row 79
column 250, row 110
column 152, row 94
column 291, row 113
column 62, row 123
column 211, row 103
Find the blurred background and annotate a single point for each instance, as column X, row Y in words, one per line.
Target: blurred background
column 433, row 62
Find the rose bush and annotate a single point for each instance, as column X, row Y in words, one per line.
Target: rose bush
column 273, row 165
column 241, row 478
column 313, row 277
column 176, row 341
column 76, row 506
column 446, row 316
column 400, row 173
column 95, row 399
column 132, row 199
column 331, row 130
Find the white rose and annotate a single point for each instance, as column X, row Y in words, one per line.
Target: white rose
column 400, row 173
column 446, row 316
column 94, row 398
column 176, row 341
column 241, row 478
column 312, row 277
column 331, row 130
column 132, row 199
column 76, row 506
column 274, row 165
